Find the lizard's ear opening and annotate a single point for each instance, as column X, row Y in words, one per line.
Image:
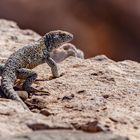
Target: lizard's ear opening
column 47, row 40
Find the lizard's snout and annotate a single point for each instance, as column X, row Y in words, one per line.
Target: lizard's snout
column 69, row 37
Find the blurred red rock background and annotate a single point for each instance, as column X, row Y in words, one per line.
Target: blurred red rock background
column 110, row 27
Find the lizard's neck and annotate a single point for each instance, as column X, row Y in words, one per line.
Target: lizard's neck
column 40, row 44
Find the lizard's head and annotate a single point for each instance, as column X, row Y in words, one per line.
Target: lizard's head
column 54, row 39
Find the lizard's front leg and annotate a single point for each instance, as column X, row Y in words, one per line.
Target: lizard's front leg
column 51, row 63
column 53, row 66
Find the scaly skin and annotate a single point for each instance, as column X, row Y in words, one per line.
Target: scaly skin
column 20, row 63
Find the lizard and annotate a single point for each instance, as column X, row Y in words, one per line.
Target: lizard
column 19, row 65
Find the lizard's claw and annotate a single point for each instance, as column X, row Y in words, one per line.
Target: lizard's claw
column 32, row 91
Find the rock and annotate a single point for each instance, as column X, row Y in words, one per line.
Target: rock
column 36, row 103
column 102, row 90
column 64, row 135
column 65, row 51
column 66, row 98
column 23, row 95
column 93, row 127
column 45, row 112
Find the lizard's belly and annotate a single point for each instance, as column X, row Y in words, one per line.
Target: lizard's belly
column 31, row 66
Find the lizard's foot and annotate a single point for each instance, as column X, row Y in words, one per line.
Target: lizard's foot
column 32, row 91
column 52, row 77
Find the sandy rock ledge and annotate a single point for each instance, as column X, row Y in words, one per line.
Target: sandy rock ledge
column 95, row 95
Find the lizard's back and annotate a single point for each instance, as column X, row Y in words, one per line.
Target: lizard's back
column 26, row 57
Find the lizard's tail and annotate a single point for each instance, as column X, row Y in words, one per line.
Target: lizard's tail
column 9, row 92
column 1, row 69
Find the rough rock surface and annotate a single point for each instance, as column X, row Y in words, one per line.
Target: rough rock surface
column 64, row 135
column 94, row 95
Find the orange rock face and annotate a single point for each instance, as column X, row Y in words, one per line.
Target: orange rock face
column 100, row 27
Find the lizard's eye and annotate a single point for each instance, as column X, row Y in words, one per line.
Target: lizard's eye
column 63, row 35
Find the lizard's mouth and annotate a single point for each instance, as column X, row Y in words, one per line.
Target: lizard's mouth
column 69, row 37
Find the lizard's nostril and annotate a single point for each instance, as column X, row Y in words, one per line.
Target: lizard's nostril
column 70, row 37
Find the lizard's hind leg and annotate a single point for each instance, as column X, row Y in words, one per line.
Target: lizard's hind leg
column 29, row 76
column 7, row 87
